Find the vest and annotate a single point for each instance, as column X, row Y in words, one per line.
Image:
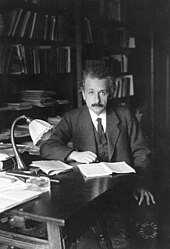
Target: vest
column 102, row 149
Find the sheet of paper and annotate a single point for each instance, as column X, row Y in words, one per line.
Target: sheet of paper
column 9, row 182
column 120, row 167
column 12, row 197
column 94, row 170
column 18, row 195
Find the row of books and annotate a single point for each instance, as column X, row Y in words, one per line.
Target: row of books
column 119, row 37
column 59, row 4
column 20, row 59
column 116, row 63
column 124, row 87
column 30, row 24
column 112, row 10
column 108, row 9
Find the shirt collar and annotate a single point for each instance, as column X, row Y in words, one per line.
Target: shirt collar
column 94, row 118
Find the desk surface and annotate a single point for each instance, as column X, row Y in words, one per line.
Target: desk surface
column 67, row 197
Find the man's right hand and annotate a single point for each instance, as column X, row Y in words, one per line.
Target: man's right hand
column 82, row 157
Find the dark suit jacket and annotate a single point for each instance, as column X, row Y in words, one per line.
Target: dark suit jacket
column 124, row 136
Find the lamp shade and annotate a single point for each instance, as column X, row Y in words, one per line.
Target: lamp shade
column 39, row 130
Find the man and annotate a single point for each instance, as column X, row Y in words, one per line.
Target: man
column 120, row 138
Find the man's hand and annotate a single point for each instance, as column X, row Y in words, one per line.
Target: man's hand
column 141, row 194
column 83, row 157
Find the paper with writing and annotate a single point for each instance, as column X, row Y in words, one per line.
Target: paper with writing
column 104, row 169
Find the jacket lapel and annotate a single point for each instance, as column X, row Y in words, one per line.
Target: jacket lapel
column 112, row 132
column 87, row 131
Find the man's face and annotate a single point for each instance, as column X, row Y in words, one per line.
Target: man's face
column 96, row 94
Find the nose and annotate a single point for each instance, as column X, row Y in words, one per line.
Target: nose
column 97, row 98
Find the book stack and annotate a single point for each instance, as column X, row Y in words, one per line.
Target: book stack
column 39, row 98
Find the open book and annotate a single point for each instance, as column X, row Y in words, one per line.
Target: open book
column 51, row 167
column 13, row 192
column 104, row 169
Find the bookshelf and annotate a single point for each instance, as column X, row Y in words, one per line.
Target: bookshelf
column 37, row 50
column 106, row 39
column 44, row 45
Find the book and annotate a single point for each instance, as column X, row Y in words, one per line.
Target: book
column 14, row 192
column 51, row 167
column 46, row 22
column 13, row 20
column 16, row 65
column 17, row 20
column 24, row 23
column 33, row 25
column 104, row 169
column 52, row 28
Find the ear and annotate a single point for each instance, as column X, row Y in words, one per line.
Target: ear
column 82, row 91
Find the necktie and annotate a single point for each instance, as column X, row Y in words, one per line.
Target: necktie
column 100, row 130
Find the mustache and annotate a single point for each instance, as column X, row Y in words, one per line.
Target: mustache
column 97, row 105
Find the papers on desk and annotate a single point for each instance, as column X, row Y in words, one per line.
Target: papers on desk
column 51, row 167
column 13, row 192
column 8, row 182
column 104, row 169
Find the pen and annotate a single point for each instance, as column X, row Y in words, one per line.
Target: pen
column 55, row 180
column 22, row 177
column 19, row 174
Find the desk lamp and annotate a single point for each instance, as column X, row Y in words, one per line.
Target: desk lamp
column 39, row 130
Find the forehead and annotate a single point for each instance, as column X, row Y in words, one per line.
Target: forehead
column 96, row 84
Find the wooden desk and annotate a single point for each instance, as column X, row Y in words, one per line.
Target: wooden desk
column 54, row 208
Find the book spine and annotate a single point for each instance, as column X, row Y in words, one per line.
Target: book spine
column 24, row 24
column 14, row 15
column 20, row 11
column 33, row 25
column 45, row 27
column 52, row 27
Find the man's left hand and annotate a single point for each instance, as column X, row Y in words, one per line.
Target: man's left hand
column 141, row 194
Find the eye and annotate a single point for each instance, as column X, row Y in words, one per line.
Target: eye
column 103, row 93
column 90, row 92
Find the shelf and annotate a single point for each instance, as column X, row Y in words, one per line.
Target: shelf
column 99, row 50
column 51, row 42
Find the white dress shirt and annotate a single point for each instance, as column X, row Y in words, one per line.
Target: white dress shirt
column 94, row 118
